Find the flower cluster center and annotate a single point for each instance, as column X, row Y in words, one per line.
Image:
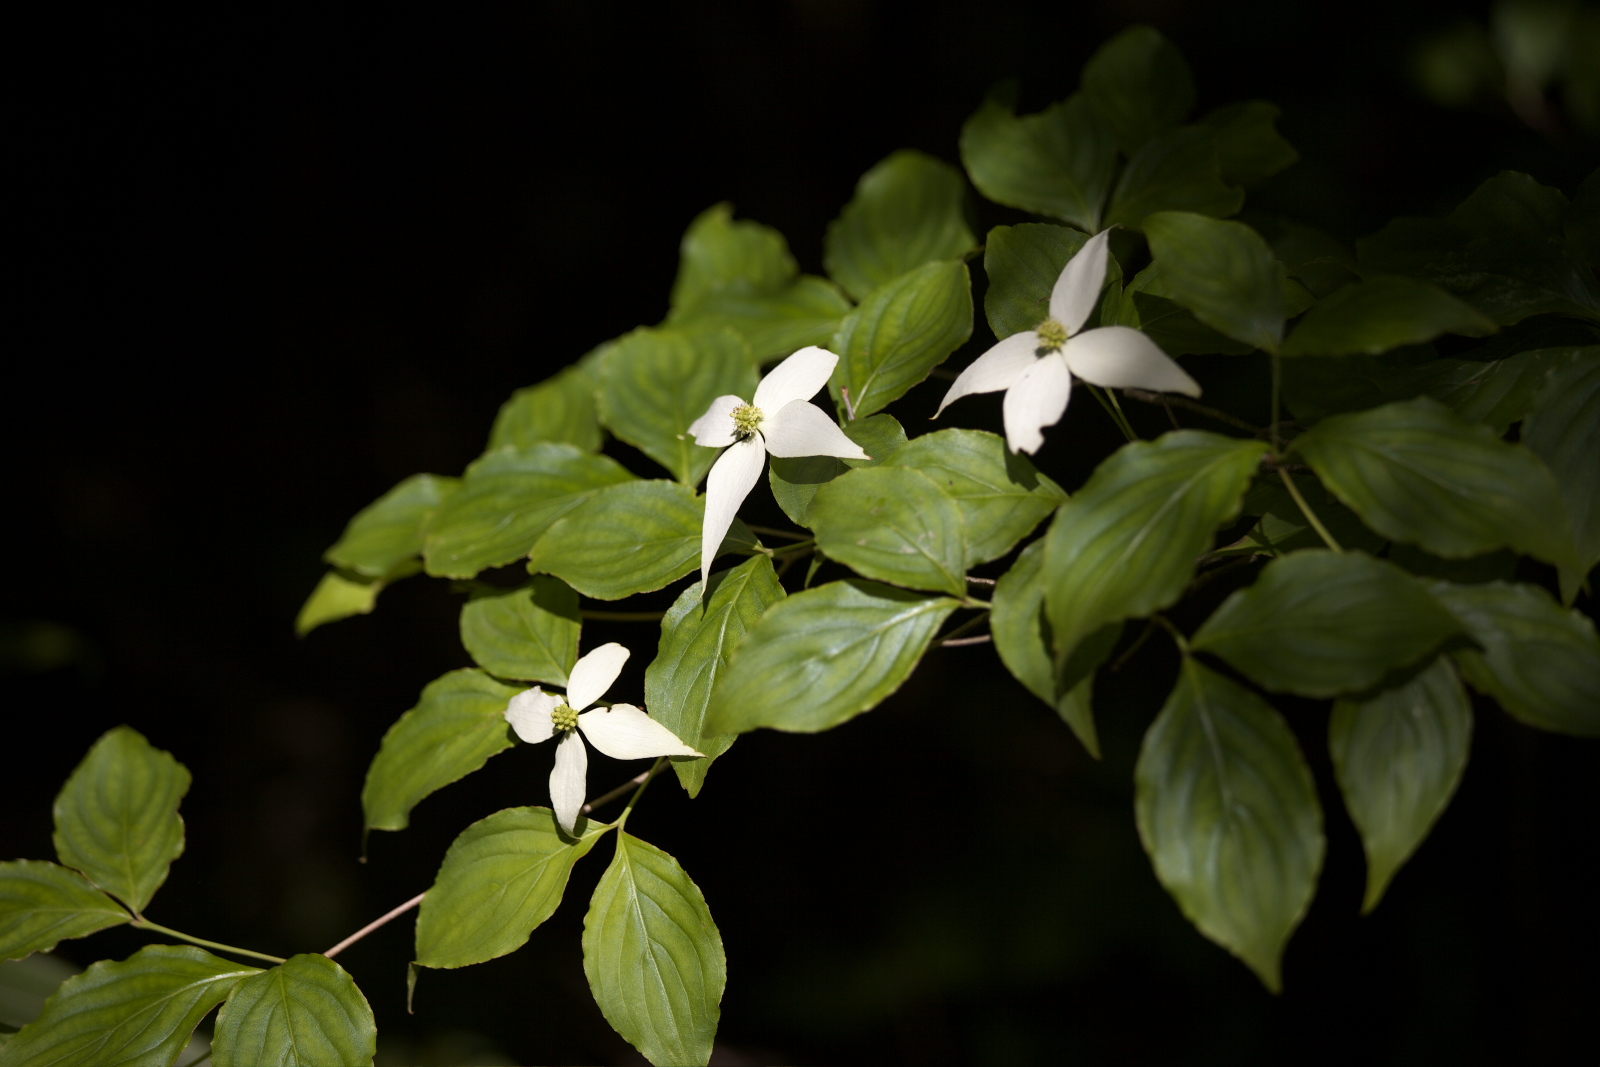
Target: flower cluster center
column 746, row 420
column 1052, row 335
column 563, row 719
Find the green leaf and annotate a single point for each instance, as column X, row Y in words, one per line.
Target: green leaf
column 901, row 331
column 795, row 481
column 1177, row 171
column 1126, row 544
column 1283, row 527
column 1563, row 429
column 823, row 656
column 1398, row 758
column 1228, row 814
column 1223, row 272
column 1319, row 623
column 1140, row 85
column 697, row 637
column 631, row 538
column 1381, row 313
column 907, row 211
column 1023, row 263
column 503, row 876
column 894, row 524
column 1318, row 259
column 41, row 904
column 1540, row 661
column 775, row 324
column 337, row 597
column 1000, row 494
column 1416, row 472
column 304, row 1011
column 653, row 955
column 719, row 255
column 1146, row 306
column 1249, row 147
column 387, row 533
column 456, row 726
column 139, row 1012
column 1056, row 163
column 117, row 817
column 530, row 633
column 654, row 383
column 560, row 408
column 507, row 499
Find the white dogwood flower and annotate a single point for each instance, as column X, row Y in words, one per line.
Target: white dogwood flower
column 1035, row 367
column 781, row 420
column 621, row 731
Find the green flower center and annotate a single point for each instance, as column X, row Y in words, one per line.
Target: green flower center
column 563, row 719
column 746, row 420
column 1052, row 335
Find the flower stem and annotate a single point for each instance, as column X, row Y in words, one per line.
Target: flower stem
column 1113, row 412
column 808, row 545
column 772, row 531
column 1177, row 634
column 146, row 924
column 1199, row 409
column 1305, row 509
column 651, row 773
column 1122, row 416
column 373, row 925
column 622, row 616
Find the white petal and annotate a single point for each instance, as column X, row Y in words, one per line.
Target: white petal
column 1079, row 285
column 796, row 378
column 800, row 428
column 714, row 429
column 622, row 731
column 1036, row 400
column 568, row 780
column 1120, row 357
column 996, row 369
column 730, row 481
column 529, row 714
column 593, row 674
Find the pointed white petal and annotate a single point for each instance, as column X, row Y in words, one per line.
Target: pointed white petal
column 622, row 731
column 714, row 429
column 593, row 674
column 1036, row 400
column 796, row 378
column 529, row 714
column 996, row 369
column 730, row 481
column 800, row 428
column 568, row 780
column 1120, row 357
column 1078, row 287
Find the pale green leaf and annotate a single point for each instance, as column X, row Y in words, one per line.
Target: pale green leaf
column 1140, row 85
column 1382, row 313
column 1249, row 147
column 1056, row 163
column 41, row 904
column 337, row 596
column 894, row 524
column 1177, row 171
column 720, row 255
column 807, row 312
column 631, row 538
column 1223, row 272
column 560, row 408
column 387, row 533
column 901, row 331
column 1563, row 429
column 304, row 1011
column 530, row 634
column 907, row 211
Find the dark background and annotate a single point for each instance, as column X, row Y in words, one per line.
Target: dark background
column 271, row 261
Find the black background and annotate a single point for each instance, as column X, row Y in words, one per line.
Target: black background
column 270, row 261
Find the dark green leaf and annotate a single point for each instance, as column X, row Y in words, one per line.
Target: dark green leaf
column 1177, row 171
column 139, row 1012
column 530, row 634
column 894, row 524
column 1489, row 567
column 1319, row 624
column 775, row 324
column 900, row 332
column 795, row 480
column 720, row 255
column 388, row 532
column 653, row 956
column 454, row 729
column 907, row 211
column 1023, row 263
column 1284, row 528
column 697, row 637
column 1056, row 163
column 1318, row 259
column 502, row 877
column 304, row 1011
column 823, row 656
column 557, row 409
column 1563, row 429
column 117, row 817
column 1140, row 85
column 1223, row 272
column 507, row 499
column 1145, row 306
column 1398, row 758
column 41, row 904
column 1229, row 815
column 1540, row 661
column 627, row 539
column 1382, row 313
column 1249, row 147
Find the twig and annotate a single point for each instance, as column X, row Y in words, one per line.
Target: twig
column 622, row 616
column 601, row 801
column 976, row 620
column 373, row 925
column 772, row 532
column 1138, row 643
column 980, row 581
column 957, row 642
column 1172, row 418
column 849, row 408
column 1199, row 409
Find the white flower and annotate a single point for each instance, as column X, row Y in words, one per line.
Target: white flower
column 1035, row 367
column 780, row 420
column 621, row 731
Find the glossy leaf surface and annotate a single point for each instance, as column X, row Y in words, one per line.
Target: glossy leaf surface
column 894, row 524
column 304, row 1011
column 1056, row 163
column 41, row 904
column 626, row 539
column 530, row 633
column 1223, row 272
column 901, row 331
column 907, row 211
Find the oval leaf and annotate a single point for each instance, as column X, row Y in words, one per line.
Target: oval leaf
column 893, row 524
column 653, row 955
column 1228, row 814
column 1381, row 313
column 560, row 409
column 823, row 656
column 117, row 817
column 907, row 211
column 1177, row 171
column 627, row 539
column 1140, row 85
column 502, row 877
column 454, row 729
column 901, row 331
column 795, row 481
column 41, row 904
column 720, row 255
column 774, row 324
column 530, row 634
column 304, row 1011
column 1398, row 758
column 1056, row 163
column 1249, row 147
column 1223, row 272
column 388, row 532
column 1563, row 429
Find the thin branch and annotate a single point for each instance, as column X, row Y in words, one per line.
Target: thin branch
column 373, row 925
column 1199, row 409
column 773, row 532
column 980, row 581
column 957, row 642
column 1305, row 509
column 972, row 623
column 622, row 616
column 636, row 780
column 1138, row 643
column 1171, row 417
column 146, row 924
column 849, row 408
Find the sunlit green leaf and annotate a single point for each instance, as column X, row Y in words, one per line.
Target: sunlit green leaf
column 560, row 408
column 795, row 480
column 456, row 726
column 1398, row 758
column 1563, row 429
column 720, row 255
column 529, row 633
column 807, row 312
column 304, row 1011
column 1382, row 313
column 907, row 211
column 1249, row 147
column 1022, row 263
column 41, row 904
column 1223, row 272
column 1056, row 163
column 627, row 539
column 1140, row 85
column 894, row 524
column 654, row 956
column 1229, row 815
column 823, row 656
column 388, row 532
column 337, row 596
column 503, row 876
column 901, row 331
column 1177, row 171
